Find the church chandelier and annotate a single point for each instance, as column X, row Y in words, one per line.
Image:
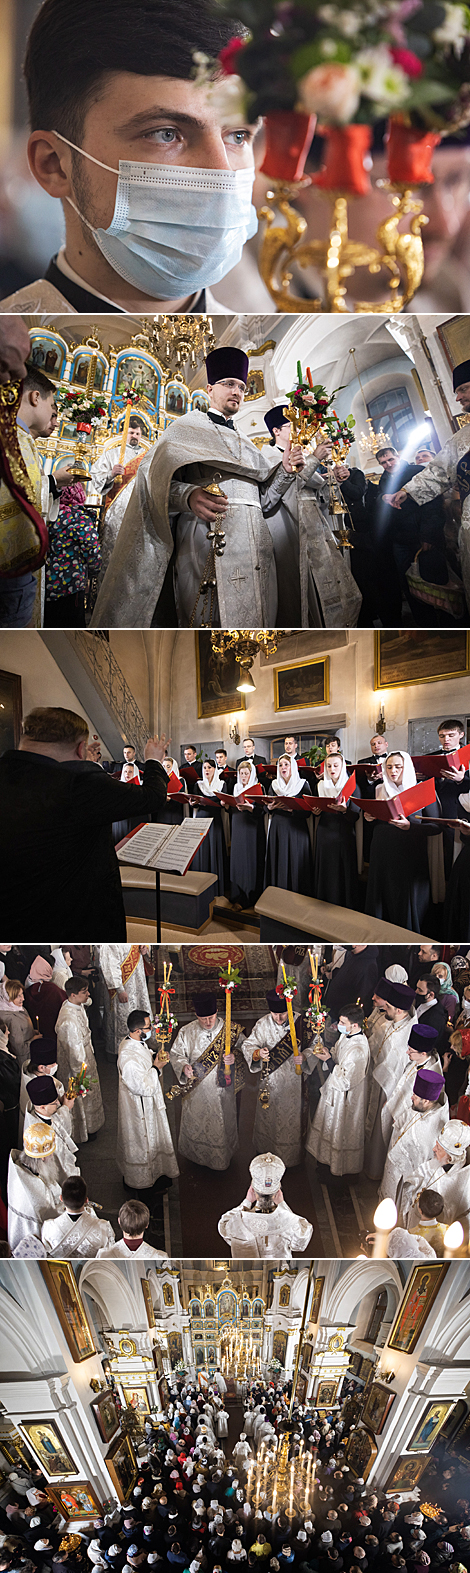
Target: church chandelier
column 371, row 442
column 179, row 341
column 245, row 644
column 282, row 1478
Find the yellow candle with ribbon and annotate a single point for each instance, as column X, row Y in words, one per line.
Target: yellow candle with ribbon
column 288, row 992
column 315, row 1015
column 228, row 981
column 125, row 430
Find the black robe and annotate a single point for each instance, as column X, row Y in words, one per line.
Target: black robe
column 457, row 902
column 173, row 811
column 448, row 795
column 211, row 857
column 398, row 887
column 247, row 854
column 336, row 877
column 355, row 979
column 289, row 861
column 10, row 1080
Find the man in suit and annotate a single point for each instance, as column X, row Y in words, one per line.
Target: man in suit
column 291, row 748
column 58, row 809
column 249, row 747
column 429, row 1007
column 190, row 758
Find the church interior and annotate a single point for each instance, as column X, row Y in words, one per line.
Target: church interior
column 197, row 688
column 99, row 1360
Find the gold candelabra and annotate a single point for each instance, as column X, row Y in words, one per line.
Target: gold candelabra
column 246, row 643
column 177, row 340
column 374, row 440
column 398, row 252
column 276, row 1482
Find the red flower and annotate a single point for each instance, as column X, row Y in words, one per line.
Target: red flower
column 228, row 56
column 322, row 401
column 70, row 396
column 409, row 62
column 280, row 989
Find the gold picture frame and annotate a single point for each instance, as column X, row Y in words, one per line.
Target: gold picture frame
column 62, row 1285
column 46, row 1443
column 326, row 1395
column 121, row 1464
column 297, row 693
column 427, row 1431
column 147, row 1294
column 136, row 1398
column 316, row 1301
column 423, row 1286
column 404, row 657
column 80, row 1502
column 377, row 1407
column 214, row 697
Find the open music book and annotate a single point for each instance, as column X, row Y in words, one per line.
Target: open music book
column 404, row 803
column 168, row 848
column 436, row 764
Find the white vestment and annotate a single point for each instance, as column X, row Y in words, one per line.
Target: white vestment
column 336, row 1134
column 242, row 1453
column 434, row 479
column 84, row 1236
column 278, row 1128
column 191, row 453
column 121, row 1249
column 144, row 1148
column 111, row 959
column 63, row 1159
column 103, row 481
column 75, row 1048
column 222, row 1422
column 411, row 1144
column 256, row 1234
column 388, row 1045
column 208, row 1130
column 316, row 586
column 31, row 1198
column 220, row 1382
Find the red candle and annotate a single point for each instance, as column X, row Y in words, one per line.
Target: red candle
column 309, row 376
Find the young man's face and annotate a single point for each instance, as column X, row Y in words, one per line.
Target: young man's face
column 190, row 755
column 378, row 746
column 151, row 120
column 388, row 460
column 227, row 395
column 450, row 737
column 135, row 436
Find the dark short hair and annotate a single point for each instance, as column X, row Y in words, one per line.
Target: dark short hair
column 134, row 1217
column 221, row 751
column 354, row 1013
column 90, row 41
column 388, row 447
column 52, row 724
column 136, row 420
column 75, row 984
column 331, row 740
column 137, row 1018
column 190, row 745
column 431, row 983
column 431, row 1203
column 210, row 762
column 450, row 723
column 74, row 1191
column 36, row 382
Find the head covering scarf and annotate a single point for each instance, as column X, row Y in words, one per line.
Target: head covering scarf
column 253, row 781
column 59, row 957
column 211, row 788
column 446, row 985
column 40, row 970
column 387, row 787
column 174, row 775
column 294, row 786
column 5, row 1002
column 329, row 788
column 396, row 973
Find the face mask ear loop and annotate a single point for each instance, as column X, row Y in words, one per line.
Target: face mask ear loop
column 84, row 154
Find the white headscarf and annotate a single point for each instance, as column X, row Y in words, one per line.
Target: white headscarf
column 211, row 788
column 175, row 769
column 396, row 973
column 387, row 787
column 294, row 786
column 253, row 781
column 329, row 788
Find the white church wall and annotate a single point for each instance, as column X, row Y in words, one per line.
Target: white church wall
column 41, row 679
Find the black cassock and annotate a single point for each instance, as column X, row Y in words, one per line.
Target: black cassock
column 211, row 857
column 10, row 1079
column 457, row 902
column 336, row 878
column 398, row 887
column 289, row 861
column 172, row 813
column 247, row 854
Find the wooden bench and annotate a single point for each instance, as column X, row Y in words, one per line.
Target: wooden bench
column 285, row 915
column 187, row 899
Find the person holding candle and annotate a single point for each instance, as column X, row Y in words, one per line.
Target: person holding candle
column 268, row 1049
column 336, row 1134
column 208, row 1131
column 144, row 1149
column 316, row 588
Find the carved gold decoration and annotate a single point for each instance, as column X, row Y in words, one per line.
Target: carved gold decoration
column 399, row 252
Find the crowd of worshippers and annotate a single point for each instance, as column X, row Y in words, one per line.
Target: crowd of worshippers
column 387, row 1093
column 405, row 871
column 192, row 1507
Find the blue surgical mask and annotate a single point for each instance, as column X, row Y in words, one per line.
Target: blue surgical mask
column 174, row 230
column 341, row 1029
column 147, row 1034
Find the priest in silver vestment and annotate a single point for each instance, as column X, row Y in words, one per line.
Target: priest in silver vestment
column 171, row 565
column 75, row 1049
column 114, row 479
column 33, row 1189
column 446, row 1170
column 388, row 1043
column 45, row 1107
column 77, row 1231
column 315, row 584
column 208, row 1130
column 277, row 1126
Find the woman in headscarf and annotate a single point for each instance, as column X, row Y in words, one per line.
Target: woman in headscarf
column 448, row 996
column 336, row 876
column 211, row 857
column 74, row 554
column 62, row 968
column 399, row 887
column 248, row 841
column 43, row 998
column 289, row 861
column 172, row 813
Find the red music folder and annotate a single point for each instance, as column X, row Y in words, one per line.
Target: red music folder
column 435, row 764
column 404, row 803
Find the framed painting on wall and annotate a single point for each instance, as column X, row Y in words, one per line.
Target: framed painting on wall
column 377, row 1406
column 121, row 1464
column 216, row 678
column 406, row 1474
column 361, row 1452
column 67, row 1301
column 430, row 1425
column 326, row 1394
column 77, row 1502
column 421, row 1291
column 405, row 656
column 147, row 1294
column 302, row 686
column 316, row 1301
column 106, row 1414
column 49, row 1448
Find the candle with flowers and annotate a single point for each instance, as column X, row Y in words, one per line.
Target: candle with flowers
column 287, row 991
column 314, row 1014
column 79, row 1085
column 229, row 980
column 166, row 1022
